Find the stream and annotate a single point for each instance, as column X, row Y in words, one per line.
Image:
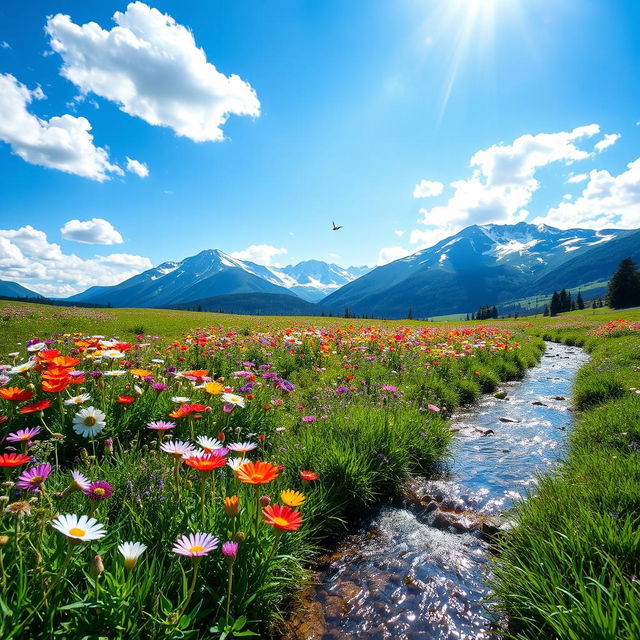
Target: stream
column 418, row 569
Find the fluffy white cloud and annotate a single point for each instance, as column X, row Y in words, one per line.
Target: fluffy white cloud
column 389, row 254
column 139, row 168
column 399, row 233
column 151, row 67
column 427, row 189
column 27, row 257
column 606, row 201
column 94, row 231
column 62, row 142
column 577, row 177
column 502, row 183
column 608, row 141
column 260, row 254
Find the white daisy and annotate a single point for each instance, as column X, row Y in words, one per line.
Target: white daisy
column 236, row 463
column 82, row 398
column 242, row 447
column 22, row 368
column 81, row 528
column 180, row 399
column 88, row 422
column 131, row 551
column 114, row 373
column 232, row 398
column 209, row 443
column 113, row 353
column 38, row 346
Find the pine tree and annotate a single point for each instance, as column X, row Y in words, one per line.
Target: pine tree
column 580, row 301
column 624, row 286
column 554, row 305
column 410, row 314
column 494, row 312
column 546, row 310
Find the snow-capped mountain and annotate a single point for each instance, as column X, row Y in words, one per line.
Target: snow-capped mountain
column 213, row 273
column 314, row 279
column 479, row 265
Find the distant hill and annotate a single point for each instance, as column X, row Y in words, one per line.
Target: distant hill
column 14, row 290
column 598, row 263
column 259, row 304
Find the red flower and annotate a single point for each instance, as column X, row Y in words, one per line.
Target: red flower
column 207, row 462
column 34, row 407
column 283, row 518
column 125, row 399
column 13, row 459
column 309, row 476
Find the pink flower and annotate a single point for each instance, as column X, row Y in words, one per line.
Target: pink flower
column 432, row 407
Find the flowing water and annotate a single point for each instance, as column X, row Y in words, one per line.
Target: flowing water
column 418, row 570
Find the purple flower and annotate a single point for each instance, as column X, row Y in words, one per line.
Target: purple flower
column 342, row 390
column 32, row 479
column 308, row 419
column 23, row 434
column 230, row 549
column 389, row 387
column 98, row 491
column 96, row 374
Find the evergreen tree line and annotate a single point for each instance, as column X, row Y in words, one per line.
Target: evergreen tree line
column 485, row 313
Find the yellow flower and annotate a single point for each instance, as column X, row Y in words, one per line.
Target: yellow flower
column 140, row 373
column 214, row 388
column 292, row 498
column 232, row 506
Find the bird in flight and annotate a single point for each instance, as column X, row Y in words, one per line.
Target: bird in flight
column 334, row 226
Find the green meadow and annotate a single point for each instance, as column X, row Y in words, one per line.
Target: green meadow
column 360, row 405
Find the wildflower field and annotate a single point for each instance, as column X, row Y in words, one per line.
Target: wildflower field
column 178, row 488
column 179, row 485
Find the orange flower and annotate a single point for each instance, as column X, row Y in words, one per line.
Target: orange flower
column 308, row 475
column 15, row 394
column 125, row 399
column 283, row 518
column 292, row 498
column 65, row 362
column 195, row 373
column 256, row 473
column 207, row 462
column 184, row 410
column 56, row 385
column 140, row 373
column 232, row 506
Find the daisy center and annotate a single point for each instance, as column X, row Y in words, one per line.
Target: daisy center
column 76, row 531
column 281, row 522
column 99, row 491
column 37, row 479
column 90, row 421
column 196, row 549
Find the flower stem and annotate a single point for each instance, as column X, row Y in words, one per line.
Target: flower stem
column 191, row 589
column 229, row 587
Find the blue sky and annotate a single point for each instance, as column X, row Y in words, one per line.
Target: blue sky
column 339, row 109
